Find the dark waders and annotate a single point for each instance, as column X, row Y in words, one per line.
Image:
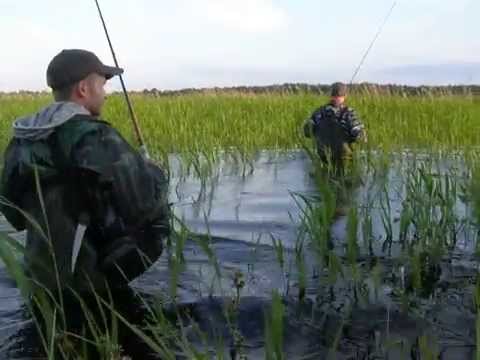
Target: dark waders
column 74, row 316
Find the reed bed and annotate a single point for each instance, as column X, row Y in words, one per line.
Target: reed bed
column 431, row 141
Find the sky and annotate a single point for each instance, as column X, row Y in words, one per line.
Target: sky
column 205, row 43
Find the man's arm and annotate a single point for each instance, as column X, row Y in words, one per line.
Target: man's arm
column 11, row 187
column 134, row 188
column 309, row 124
column 308, row 128
column 356, row 128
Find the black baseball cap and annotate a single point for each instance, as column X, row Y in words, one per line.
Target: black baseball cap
column 72, row 65
column 339, row 89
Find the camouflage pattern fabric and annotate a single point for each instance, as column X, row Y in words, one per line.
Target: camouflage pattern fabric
column 335, row 128
column 86, row 169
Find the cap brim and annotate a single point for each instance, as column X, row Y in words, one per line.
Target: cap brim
column 111, row 71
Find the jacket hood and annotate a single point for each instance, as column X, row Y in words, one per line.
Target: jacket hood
column 40, row 125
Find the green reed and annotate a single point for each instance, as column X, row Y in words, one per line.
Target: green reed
column 210, row 122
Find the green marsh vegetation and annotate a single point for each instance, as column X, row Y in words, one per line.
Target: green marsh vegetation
column 205, row 123
column 410, row 206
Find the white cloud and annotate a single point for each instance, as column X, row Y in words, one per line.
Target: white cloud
column 256, row 16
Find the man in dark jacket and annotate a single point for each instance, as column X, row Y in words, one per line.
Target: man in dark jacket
column 96, row 212
column 335, row 127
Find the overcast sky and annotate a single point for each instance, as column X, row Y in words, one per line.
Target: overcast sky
column 202, row 43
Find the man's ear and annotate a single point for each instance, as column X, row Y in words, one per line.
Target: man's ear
column 81, row 88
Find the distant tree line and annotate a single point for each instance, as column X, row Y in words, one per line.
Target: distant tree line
column 296, row 88
column 324, row 89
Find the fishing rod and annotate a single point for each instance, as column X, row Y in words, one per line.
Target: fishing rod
column 136, row 126
column 373, row 42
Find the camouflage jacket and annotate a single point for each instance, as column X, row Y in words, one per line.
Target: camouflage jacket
column 345, row 116
column 84, row 168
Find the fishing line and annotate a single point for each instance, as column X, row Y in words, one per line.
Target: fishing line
column 373, row 42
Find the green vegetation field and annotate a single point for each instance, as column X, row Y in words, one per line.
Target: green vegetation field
column 207, row 122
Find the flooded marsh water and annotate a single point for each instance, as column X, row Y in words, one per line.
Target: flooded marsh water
column 388, row 270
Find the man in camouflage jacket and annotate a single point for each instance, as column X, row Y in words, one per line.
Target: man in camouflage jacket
column 96, row 212
column 335, row 127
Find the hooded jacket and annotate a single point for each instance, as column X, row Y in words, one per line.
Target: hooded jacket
column 81, row 166
column 335, row 128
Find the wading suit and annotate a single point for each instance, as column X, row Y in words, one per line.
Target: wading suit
column 94, row 186
column 335, row 129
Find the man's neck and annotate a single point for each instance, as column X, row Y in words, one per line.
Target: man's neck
column 337, row 102
column 79, row 102
column 75, row 104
